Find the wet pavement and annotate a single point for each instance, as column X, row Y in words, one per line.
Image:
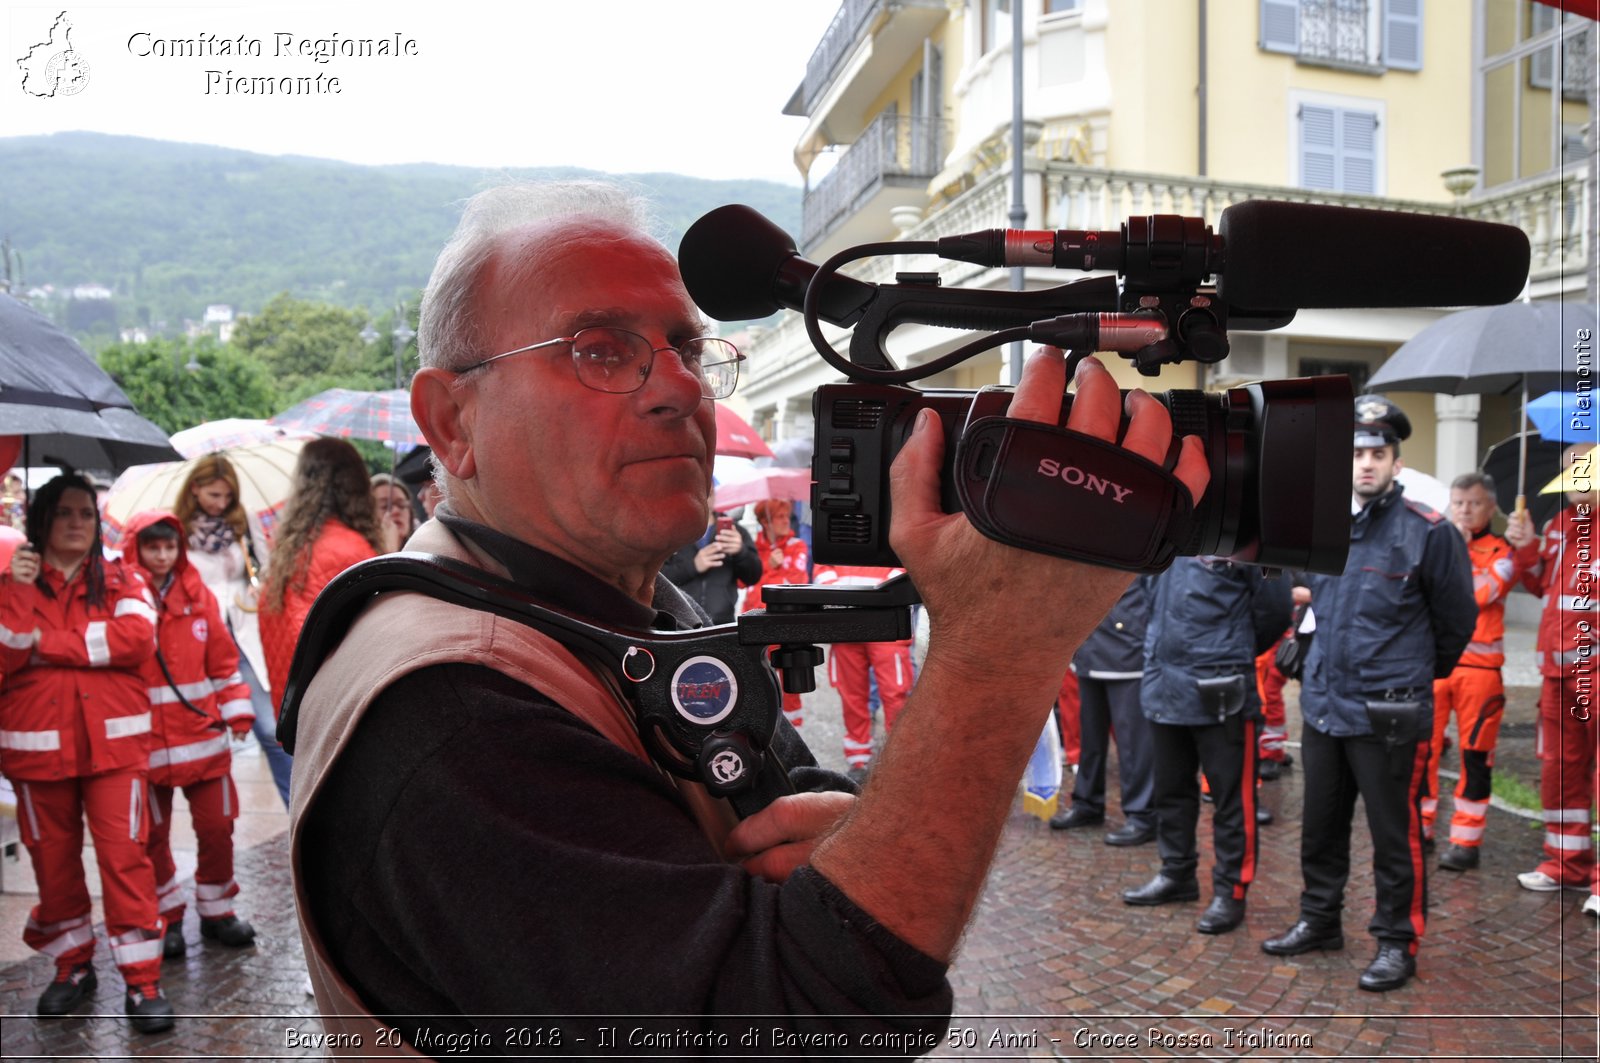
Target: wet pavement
column 1054, row 966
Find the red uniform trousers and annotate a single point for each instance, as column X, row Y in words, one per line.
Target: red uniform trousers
column 1067, row 703
column 1274, row 716
column 1567, row 782
column 214, row 805
column 847, row 671
column 1477, row 697
column 51, row 814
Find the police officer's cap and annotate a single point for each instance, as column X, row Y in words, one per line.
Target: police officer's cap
column 1379, row 422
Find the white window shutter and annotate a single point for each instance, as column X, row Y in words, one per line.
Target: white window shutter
column 1318, row 148
column 1358, row 152
column 1402, row 34
column 1280, row 26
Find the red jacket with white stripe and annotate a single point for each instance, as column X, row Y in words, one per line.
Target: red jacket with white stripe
column 194, row 643
column 75, row 706
column 1563, row 570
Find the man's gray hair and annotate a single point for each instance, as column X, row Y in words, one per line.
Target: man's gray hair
column 1468, row 480
column 447, row 330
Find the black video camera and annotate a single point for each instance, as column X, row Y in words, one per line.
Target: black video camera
column 1278, row 451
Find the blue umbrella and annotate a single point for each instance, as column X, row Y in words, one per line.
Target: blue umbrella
column 1564, row 415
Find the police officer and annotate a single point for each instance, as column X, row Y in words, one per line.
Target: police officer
column 1397, row 619
column 1199, row 696
column 1109, row 665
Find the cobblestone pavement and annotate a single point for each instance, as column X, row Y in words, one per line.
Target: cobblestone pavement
column 1055, row 966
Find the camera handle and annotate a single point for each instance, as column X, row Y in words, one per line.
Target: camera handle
column 705, row 701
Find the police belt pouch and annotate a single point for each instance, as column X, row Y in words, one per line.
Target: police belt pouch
column 1396, row 720
column 1059, row 492
column 1222, row 696
column 1290, row 657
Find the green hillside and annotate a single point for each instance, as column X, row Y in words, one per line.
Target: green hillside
column 171, row 227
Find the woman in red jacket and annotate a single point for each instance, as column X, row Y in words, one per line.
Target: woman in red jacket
column 197, row 695
column 74, row 732
column 329, row 523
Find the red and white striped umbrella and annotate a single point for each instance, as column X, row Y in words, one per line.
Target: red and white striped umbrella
column 383, row 415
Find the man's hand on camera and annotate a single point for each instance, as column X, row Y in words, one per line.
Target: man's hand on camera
column 987, row 588
column 1005, row 622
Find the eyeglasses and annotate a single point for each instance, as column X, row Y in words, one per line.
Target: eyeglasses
column 618, row 361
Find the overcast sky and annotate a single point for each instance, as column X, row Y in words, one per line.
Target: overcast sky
column 694, row 87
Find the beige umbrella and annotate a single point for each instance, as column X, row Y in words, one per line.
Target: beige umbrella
column 266, row 474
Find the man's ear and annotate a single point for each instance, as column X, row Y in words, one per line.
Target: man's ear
column 445, row 413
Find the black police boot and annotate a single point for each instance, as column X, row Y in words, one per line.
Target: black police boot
column 173, row 946
column 228, row 929
column 1076, row 816
column 1458, row 858
column 1303, row 937
column 72, row 987
column 1221, row 915
column 1162, row 890
column 1131, row 834
column 1391, row 968
column 148, row 1010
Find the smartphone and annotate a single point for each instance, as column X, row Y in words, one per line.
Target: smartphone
column 724, row 524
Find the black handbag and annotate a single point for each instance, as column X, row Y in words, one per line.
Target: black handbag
column 1293, row 648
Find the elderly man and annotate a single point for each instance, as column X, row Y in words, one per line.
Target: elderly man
column 1393, row 622
column 477, row 830
column 1474, row 693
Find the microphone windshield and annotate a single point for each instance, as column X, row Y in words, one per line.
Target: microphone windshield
column 1302, row 256
column 730, row 259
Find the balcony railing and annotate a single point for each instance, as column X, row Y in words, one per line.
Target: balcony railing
column 837, row 41
column 892, row 150
column 1337, row 31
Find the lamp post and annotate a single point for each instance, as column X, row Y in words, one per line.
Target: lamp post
column 402, row 334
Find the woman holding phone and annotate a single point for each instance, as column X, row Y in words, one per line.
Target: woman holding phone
column 711, row 568
column 75, row 629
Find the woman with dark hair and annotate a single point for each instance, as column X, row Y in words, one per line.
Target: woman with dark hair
column 74, row 731
column 229, row 557
column 329, row 523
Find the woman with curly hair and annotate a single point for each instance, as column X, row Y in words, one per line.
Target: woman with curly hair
column 329, row 523
column 229, row 557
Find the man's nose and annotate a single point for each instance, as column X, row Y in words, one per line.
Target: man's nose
column 672, row 382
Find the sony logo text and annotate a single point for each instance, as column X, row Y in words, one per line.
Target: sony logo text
column 1075, row 476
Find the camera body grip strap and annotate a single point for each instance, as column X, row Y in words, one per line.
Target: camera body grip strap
column 1059, row 492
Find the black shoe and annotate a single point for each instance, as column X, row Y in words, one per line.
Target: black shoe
column 1303, row 937
column 173, row 946
column 1264, row 816
column 1076, row 816
column 1162, row 890
column 1427, row 843
column 1391, row 968
column 1269, row 770
column 1458, row 858
column 229, row 929
column 1221, row 915
column 71, row 988
column 1288, row 760
column 857, row 773
column 147, row 1009
column 1131, row 834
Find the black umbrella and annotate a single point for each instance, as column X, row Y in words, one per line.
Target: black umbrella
column 1543, row 464
column 1492, row 350
column 69, row 410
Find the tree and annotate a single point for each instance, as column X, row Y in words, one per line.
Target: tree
column 153, row 374
column 303, row 345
